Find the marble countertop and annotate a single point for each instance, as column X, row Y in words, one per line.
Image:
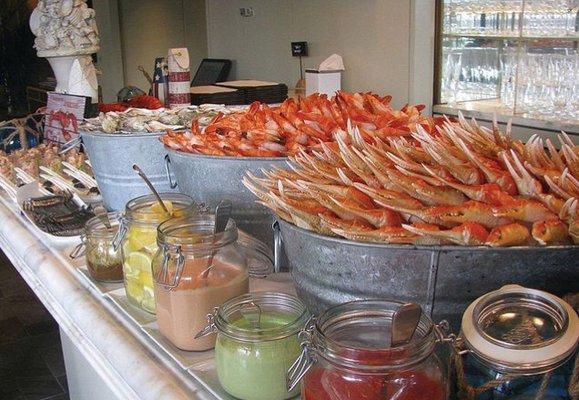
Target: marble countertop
column 124, row 356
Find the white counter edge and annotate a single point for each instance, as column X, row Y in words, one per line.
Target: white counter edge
column 133, row 368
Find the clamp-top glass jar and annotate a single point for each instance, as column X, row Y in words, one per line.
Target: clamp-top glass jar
column 523, row 340
column 348, row 356
column 103, row 260
column 195, row 271
column 257, row 342
column 138, row 237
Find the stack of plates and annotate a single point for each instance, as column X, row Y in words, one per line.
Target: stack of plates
column 216, row 95
column 263, row 91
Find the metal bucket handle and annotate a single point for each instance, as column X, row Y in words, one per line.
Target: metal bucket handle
column 277, row 246
column 172, row 184
column 71, row 144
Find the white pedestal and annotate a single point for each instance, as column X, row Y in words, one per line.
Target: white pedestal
column 61, row 67
column 74, row 81
column 323, row 82
column 84, row 382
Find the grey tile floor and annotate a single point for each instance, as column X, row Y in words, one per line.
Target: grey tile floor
column 31, row 361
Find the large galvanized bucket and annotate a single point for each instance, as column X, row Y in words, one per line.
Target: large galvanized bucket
column 112, row 157
column 210, row 179
column 443, row 279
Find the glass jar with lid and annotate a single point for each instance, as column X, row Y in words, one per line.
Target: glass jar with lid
column 104, row 261
column 348, row 355
column 521, row 339
column 195, row 271
column 138, row 240
column 257, row 341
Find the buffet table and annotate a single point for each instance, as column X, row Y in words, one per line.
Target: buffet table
column 107, row 352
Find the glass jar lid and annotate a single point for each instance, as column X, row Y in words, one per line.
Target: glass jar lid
column 147, row 210
column 358, row 335
column 261, row 317
column 95, row 227
column 195, row 233
column 260, row 259
column 520, row 330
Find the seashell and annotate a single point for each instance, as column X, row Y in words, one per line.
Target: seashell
column 110, row 124
column 141, row 112
column 76, row 17
column 169, row 119
column 156, row 126
column 35, row 21
column 135, row 124
column 66, row 8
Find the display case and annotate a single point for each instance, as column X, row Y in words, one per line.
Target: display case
column 514, row 58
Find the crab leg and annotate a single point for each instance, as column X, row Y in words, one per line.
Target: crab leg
column 524, row 210
column 489, row 193
column 550, row 232
column 467, row 234
column 513, row 234
column 385, row 234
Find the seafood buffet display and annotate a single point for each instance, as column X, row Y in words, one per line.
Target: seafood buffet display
column 264, row 131
column 123, row 119
column 463, row 184
column 69, row 172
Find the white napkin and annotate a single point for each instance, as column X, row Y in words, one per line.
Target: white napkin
column 332, row 63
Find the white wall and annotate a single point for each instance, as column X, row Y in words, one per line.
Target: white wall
column 373, row 36
column 150, row 27
column 109, row 58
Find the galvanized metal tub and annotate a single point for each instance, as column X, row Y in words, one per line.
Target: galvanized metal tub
column 210, row 179
column 443, row 279
column 112, row 157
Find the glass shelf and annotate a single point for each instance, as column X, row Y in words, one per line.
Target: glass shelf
column 511, row 18
column 516, row 58
column 486, row 110
column 512, row 37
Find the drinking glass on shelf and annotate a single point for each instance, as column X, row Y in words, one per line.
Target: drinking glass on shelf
column 479, row 73
column 451, row 75
column 550, row 18
column 561, row 96
column 508, row 67
column 547, row 83
column 573, row 106
column 572, row 18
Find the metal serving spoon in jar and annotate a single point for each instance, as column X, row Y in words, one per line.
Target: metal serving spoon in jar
column 404, row 323
column 150, row 185
column 222, row 214
column 102, row 214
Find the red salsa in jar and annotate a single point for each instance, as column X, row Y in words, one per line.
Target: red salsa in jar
column 322, row 384
column 353, row 359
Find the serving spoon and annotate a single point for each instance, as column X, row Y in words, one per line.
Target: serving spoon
column 150, row 185
column 222, row 214
column 404, row 323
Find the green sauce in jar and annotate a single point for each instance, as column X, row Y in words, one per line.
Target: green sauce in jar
column 257, row 345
